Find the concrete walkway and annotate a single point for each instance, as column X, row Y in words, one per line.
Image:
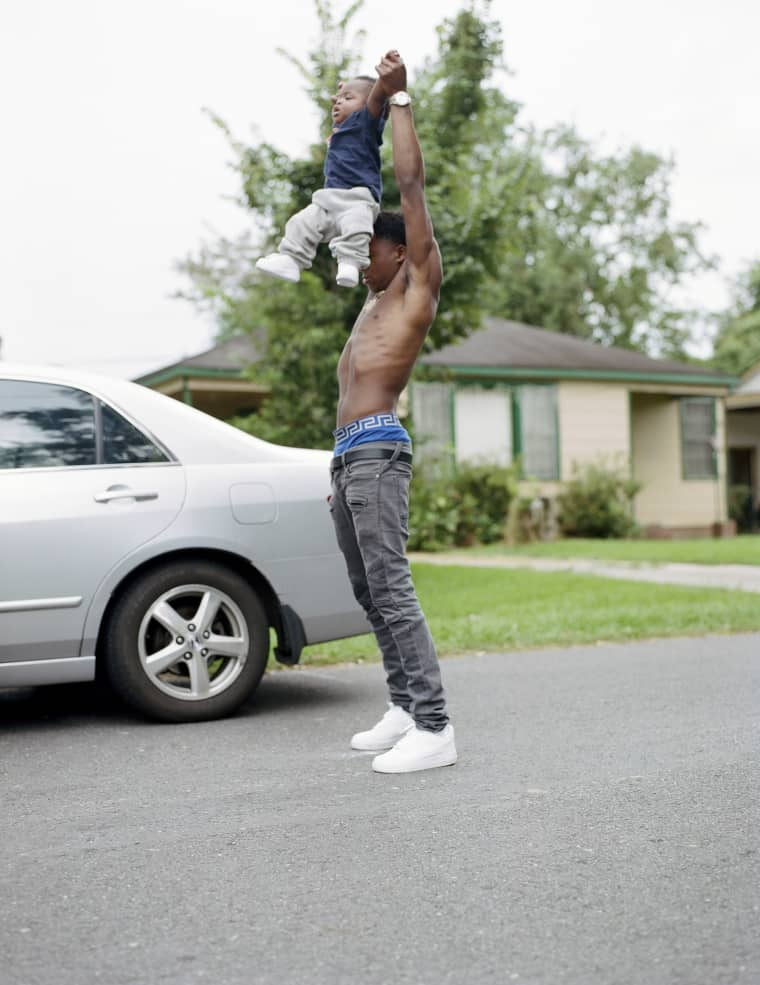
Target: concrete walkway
column 742, row 576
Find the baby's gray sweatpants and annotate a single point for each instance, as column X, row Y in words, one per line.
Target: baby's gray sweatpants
column 343, row 216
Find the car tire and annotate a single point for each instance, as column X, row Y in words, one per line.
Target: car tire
column 160, row 637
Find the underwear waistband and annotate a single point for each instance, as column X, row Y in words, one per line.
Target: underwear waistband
column 362, row 424
column 374, row 428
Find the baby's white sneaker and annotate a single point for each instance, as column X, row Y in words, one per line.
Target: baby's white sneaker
column 280, row 265
column 348, row 275
column 394, row 723
column 418, row 750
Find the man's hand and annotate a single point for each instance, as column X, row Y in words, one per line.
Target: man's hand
column 392, row 73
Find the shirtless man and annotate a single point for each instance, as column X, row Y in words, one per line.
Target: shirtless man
column 372, row 462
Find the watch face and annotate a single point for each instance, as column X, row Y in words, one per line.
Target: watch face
column 401, row 99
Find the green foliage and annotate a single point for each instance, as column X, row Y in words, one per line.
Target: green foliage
column 737, row 344
column 456, row 509
column 469, row 196
column 596, row 252
column 300, row 362
column 740, row 506
column 536, row 227
column 465, row 126
column 597, row 501
column 486, row 492
column 433, row 512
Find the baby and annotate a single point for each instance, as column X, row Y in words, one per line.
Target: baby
column 344, row 211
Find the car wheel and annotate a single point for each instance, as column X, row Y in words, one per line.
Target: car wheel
column 187, row 642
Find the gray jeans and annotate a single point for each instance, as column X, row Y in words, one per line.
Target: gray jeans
column 344, row 216
column 370, row 509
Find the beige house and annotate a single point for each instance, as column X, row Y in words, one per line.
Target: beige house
column 214, row 381
column 511, row 391
column 551, row 400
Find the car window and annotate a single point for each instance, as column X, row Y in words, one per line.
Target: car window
column 45, row 425
column 123, row 443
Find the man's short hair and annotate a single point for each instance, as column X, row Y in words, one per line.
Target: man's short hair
column 390, row 226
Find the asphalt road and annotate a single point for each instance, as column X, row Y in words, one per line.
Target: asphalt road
column 601, row 828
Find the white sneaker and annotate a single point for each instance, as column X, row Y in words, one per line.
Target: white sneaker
column 348, row 275
column 394, row 723
column 280, row 265
column 418, row 750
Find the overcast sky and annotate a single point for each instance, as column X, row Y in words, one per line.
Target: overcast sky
column 111, row 172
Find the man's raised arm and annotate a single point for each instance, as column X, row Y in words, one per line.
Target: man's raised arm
column 423, row 257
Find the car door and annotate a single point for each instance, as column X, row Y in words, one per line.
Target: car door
column 81, row 486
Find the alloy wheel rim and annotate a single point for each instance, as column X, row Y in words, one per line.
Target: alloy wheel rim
column 193, row 642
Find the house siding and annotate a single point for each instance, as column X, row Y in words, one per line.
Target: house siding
column 593, row 423
column 667, row 499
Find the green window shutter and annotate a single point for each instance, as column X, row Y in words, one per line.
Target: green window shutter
column 698, row 425
column 431, row 416
column 539, row 444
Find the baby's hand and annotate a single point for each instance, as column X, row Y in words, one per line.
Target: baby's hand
column 392, row 72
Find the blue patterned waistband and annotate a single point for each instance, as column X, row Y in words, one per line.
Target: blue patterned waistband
column 376, row 427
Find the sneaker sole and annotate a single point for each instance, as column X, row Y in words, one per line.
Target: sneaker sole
column 415, row 768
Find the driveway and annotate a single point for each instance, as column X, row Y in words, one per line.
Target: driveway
column 601, row 828
column 743, row 576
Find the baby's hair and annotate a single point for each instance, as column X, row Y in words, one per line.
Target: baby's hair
column 390, row 226
column 367, row 78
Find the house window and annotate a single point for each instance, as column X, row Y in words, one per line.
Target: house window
column 698, row 438
column 483, row 425
column 539, row 445
column 493, row 424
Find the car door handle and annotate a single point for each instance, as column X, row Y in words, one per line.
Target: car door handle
column 123, row 492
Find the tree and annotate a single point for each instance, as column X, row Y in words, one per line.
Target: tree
column 473, row 182
column 532, row 226
column 597, row 253
column 737, row 344
column 470, row 192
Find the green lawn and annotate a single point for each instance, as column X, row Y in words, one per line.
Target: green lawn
column 472, row 609
column 744, row 549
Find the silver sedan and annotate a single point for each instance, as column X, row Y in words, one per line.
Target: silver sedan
column 144, row 540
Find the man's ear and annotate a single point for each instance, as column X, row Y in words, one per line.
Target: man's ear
column 400, row 252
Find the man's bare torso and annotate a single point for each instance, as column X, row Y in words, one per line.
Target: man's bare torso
column 378, row 358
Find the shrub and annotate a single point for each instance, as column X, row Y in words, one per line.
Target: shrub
column 433, row 512
column 485, row 492
column 740, row 506
column 458, row 507
column 597, row 502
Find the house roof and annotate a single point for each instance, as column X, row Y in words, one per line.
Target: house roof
column 750, row 381
column 227, row 358
column 503, row 348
